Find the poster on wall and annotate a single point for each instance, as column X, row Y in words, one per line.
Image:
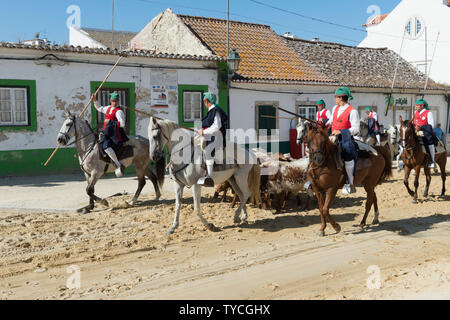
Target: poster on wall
column 164, row 83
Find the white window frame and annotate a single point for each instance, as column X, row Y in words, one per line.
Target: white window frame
column 192, row 117
column 411, row 27
column 12, row 101
column 311, row 109
column 309, row 105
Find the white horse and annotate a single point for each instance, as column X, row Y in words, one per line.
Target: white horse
column 395, row 145
column 187, row 172
column 94, row 167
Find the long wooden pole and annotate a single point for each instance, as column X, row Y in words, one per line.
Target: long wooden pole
column 275, row 117
column 85, row 107
column 431, row 63
column 395, row 76
column 151, row 115
column 297, row 115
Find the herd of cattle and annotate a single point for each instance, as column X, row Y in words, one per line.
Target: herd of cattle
column 285, row 176
column 281, row 177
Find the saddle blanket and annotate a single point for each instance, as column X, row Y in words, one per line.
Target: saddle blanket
column 440, row 148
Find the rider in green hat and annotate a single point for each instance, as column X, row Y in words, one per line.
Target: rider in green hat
column 323, row 114
column 345, row 124
column 373, row 124
column 424, row 121
column 214, row 127
column 113, row 130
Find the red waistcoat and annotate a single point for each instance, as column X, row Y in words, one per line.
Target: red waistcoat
column 322, row 115
column 111, row 115
column 372, row 117
column 343, row 121
column 421, row 119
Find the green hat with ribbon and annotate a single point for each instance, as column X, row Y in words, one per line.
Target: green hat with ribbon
column 210, row 96
column 114, row 96
column 422, row 102
column 369, row 108
column 344, row 91
column 320, row 102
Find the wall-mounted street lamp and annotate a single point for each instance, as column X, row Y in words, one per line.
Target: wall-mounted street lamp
column 233, row 61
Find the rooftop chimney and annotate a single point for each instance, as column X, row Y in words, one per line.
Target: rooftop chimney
column 290, row 35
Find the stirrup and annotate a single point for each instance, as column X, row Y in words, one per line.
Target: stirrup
column 119, row 171
column 432, row 165
column 348, row 189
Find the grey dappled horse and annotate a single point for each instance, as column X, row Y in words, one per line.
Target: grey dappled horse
column 302, row 130
column 186, row 172
column 93, row 167
column 395, row 146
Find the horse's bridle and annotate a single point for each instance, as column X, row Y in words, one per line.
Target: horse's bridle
column 405, row 145
column 66, row 135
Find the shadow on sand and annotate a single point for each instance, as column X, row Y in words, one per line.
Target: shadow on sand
column 410, row 226
column 290, row 222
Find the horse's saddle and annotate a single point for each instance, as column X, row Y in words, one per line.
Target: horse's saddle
column 440, row 147
column 123, row 152
column 363, row 161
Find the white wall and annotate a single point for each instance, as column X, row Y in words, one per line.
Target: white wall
column 79, row 37
column 436, row 17
column 63, row 88
column 242, row 103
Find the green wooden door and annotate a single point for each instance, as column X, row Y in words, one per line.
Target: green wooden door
column 266, row 118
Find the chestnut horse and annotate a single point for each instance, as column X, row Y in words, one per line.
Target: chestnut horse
column 326, row 178
column 414, row 158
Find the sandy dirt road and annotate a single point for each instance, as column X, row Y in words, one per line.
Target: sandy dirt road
column 124, row 253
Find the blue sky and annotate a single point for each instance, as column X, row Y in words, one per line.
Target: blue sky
column 22, row 18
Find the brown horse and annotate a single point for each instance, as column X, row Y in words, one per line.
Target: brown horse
column 326, row 178
column 414, row 158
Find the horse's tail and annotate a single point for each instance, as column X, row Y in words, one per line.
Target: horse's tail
column 254, row 182
column 387, row 171
column 161, row 170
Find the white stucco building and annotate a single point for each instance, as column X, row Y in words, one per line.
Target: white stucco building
column 418, row 22
column 292, row 74
column 40, row 84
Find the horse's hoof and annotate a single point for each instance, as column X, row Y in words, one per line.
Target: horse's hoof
column 212, row 228
column 171, row 231
column 321, row 233
column 425, row 195
column 105, row 203
column 157, row 198
column 85, row 211
column 337, row 228
column 237, row 220
column 375, row 221
column 361, row 228
column 414, row 201
column 132, row 203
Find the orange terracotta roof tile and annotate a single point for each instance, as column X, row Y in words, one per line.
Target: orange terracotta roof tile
column 376, row 20
column 264, row 57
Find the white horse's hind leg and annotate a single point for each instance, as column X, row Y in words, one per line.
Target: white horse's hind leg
column 179, row 196
column 197, row 195
column 239, row 182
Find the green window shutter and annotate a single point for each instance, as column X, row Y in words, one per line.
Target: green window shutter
column 267, row 123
